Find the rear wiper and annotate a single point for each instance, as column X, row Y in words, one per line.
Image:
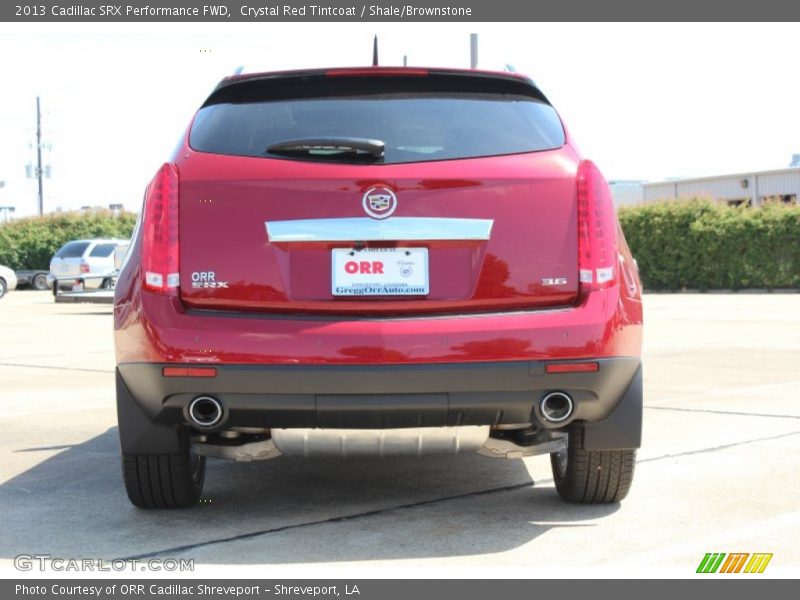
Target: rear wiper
column 334, row 148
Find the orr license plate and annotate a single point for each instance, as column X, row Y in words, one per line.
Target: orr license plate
column 380, row 272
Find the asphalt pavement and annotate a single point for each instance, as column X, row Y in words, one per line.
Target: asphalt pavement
column 719, row 470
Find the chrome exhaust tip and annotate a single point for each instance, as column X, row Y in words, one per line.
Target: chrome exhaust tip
column 556, row 407
column 205, row 412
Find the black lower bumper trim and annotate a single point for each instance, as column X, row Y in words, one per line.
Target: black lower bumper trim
column 622, row 429
column 389, row 396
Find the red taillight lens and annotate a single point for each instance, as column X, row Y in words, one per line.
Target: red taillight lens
column 597, row 229
column 160, row 233
column 84, row 268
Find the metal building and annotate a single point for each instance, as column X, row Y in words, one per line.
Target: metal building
column 753, row 188
column 626, row 191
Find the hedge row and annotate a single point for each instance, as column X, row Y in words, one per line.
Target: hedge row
column 705, row 245
column 30, row 243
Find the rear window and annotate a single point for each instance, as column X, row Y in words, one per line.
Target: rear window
column 103, row 250
column 72, row 250
column 417, row 120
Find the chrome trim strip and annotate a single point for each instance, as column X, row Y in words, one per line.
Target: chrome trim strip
column 361, row 229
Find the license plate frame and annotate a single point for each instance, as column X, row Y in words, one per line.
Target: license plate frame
column 403, row 272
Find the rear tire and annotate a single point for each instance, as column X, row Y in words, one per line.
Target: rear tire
column 3, row 287
column 164, row 480
column 39, row 282
column 592, row 476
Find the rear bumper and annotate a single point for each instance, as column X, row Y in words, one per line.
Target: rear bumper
column 151, row 328
column 86, row 281
column 499, row 394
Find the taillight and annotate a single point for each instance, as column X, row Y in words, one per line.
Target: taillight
column 160, row 233
column 84, row 268
column 597, row 229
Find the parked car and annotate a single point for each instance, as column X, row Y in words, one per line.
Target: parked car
column 378, row 261
column 33, row 278
column 88, row 264
column 8, row 280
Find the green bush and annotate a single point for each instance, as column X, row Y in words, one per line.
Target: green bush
column 30, row 243
column 705, row 245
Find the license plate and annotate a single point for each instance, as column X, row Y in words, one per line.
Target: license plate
column 380, row 272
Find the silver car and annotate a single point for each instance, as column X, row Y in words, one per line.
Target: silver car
column 85, row 264
column 8, row 280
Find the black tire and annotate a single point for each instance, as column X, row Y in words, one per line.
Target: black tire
column 164, row 480
column 3, row 287
column 39, row 282
column 592, row 476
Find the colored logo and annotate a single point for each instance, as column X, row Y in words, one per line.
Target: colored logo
column 379, row 202
column 736, row 562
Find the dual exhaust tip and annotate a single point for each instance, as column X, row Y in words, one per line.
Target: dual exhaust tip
column 556, row 407
column 205, row 412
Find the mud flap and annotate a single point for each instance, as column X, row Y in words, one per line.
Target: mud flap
column 623, row 428
column 137, row 433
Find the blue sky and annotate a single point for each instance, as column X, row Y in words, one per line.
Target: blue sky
column 645, row 101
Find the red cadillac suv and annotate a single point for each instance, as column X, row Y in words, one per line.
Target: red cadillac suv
column 377, row 261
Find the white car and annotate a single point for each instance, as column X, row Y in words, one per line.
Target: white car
column 85, row 264
column 8, row 280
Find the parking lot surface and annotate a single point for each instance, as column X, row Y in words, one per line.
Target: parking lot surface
column 719, row 470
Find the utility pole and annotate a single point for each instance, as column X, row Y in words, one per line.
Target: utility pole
column 5, row 210
column 473, row 50
column 39, row 170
